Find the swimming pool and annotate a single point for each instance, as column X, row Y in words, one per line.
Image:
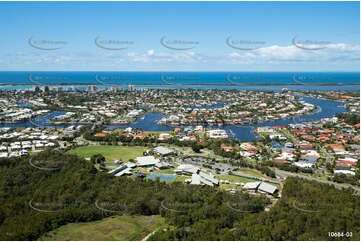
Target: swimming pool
column 161, row 177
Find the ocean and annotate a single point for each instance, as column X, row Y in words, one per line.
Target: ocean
column 244, row 80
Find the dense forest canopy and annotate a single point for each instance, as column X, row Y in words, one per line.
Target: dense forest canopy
column 36, row 200
column 306, row 211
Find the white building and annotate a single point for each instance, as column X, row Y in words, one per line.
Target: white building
column 146, row 161
column 267, row 188
column 346, row 172
column 217, row 134
column 186, row 169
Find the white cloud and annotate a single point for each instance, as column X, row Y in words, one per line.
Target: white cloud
column 334, row 54
column 275, row 53
column 150, row 52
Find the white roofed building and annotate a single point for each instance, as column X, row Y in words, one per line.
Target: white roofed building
column 186, row 169
column 146, row 161
column 267, row 188
column 251, row 186
column 218, row 134
column 162, row 150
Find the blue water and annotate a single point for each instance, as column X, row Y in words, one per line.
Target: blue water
column 24, row 105
column 241, row 132
column 149, row 123
column 212, row 79
column 174, row 78
column 246, row 132
column 38, row 122
column 328, row 110
column 161, row 177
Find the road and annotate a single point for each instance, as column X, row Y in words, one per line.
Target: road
column 295, row 141
column 328, row 157
column 290, row 136
column 286, row 173
column 337, row 185
column 150, row 234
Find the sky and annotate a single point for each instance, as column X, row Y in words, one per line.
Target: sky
column 180, row 36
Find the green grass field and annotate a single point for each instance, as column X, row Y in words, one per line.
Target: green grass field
column 181, row 178
column 110, row 153
column 112, row 229
column 264, row 134
column 166, row 171
column 232, row 178
column 251, row 173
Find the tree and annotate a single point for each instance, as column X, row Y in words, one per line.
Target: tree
column 196, row 148
column 97, row 159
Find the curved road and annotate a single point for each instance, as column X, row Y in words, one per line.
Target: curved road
column 337, row 185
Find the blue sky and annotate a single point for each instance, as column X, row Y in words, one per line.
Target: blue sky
column 262, row 36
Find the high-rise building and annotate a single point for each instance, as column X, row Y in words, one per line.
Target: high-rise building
column 45, row 88
column 92, row 88
column 71, row 89
column 284, row 90
column 114, row 88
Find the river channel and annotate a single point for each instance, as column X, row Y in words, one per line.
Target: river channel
column 148, row 122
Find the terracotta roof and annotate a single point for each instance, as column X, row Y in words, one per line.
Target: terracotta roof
column 336, row 146
column 100, row 135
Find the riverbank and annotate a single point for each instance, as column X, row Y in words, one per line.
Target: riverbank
column 244, row 133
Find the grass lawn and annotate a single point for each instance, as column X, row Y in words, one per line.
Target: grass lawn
column 166, row 171
column 181, row 178
column 175, row 165
column 110, row 153
column 320, row 176
column 233, row 179
column 112, row 228
column 229, row 186
column 264, row 134
column 250, row 172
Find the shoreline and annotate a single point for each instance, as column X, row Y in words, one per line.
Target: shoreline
column 180, row 84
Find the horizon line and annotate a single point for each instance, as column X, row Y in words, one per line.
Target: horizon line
column 167, row 71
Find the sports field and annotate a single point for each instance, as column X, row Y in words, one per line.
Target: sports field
column 112, row 228
column 110, row 153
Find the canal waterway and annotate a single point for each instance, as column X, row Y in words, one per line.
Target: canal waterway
column 149, row 121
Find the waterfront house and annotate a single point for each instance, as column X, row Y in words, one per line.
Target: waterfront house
column 250, row 148
column 141, row 136
column 217, row 134
column 164, row 136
